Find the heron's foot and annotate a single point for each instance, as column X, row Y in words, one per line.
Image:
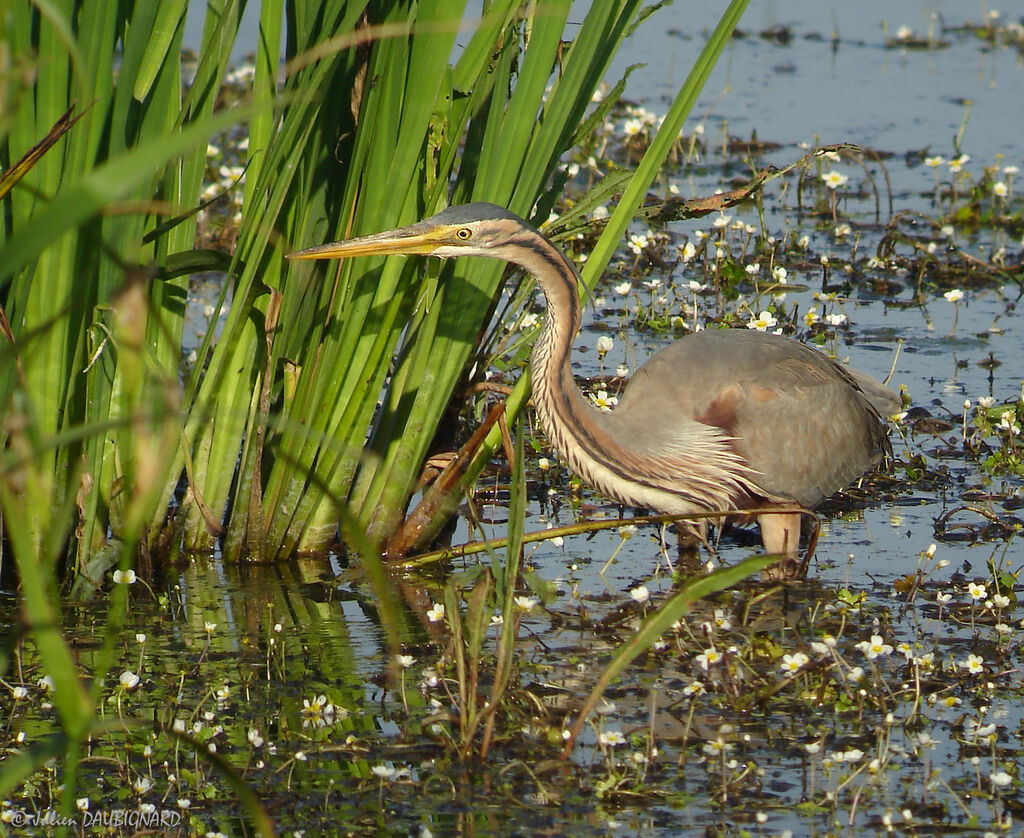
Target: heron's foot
column 786, row 570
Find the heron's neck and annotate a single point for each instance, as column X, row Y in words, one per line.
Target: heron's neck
column 563, row 410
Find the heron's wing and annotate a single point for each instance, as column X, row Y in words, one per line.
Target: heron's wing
column 799, row 420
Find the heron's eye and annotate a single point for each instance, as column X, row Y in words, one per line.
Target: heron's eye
column 464, row 234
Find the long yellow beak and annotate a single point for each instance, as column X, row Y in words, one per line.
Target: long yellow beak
column 414, row 239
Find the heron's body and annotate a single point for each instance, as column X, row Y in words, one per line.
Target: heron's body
column 722, row 419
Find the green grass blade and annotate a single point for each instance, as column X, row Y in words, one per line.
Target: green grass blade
column 658, row 622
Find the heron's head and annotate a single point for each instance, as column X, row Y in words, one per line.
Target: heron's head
column 479, row 229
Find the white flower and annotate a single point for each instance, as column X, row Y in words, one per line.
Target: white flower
column 124, row 577
column 874, row 647
column 694, row 688
column 1000, row 779
column 764, row 321
column 129, row 680
column 604, row 345
column 405, row 661
column 527, row 603
column 792, row 663
column 954, row 296
column 640, row 593
column 385, row 772
column 780, row 274
column 934, row 162
column 603, row 401
column 1007, row 421
column 958, row 164
column 833, row 179
column 623, row 288
column 638, row 242
column 709, row 657
column 687, row 252
column 999, row 189
column 612, row 738
column 721, row 620
column 835, row 319
column 19, row 693
column 975, row 664
column 977, row 591
column 436, row 613
column 529, row 321
column 633, row 127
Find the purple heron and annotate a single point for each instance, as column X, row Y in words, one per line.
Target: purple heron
column 721, row 419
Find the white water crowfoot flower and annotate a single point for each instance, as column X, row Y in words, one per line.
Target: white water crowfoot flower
column 709, row 657
column 958, row 164
column 974, row 664
column 875, row 647
column 1000, row 779
column 791, row 664
column 129, row 680
column 125, row 577
column 526, row 603
column 640, row 594
column 436, row 613
column 763, row 322
column 603, row 401
column 954, row 296
column 317, row 712
column 834, row 179
column 1007, row 422
column 611, row 738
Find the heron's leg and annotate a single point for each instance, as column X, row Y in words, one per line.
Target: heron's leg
column 664, row 548
column 780, row 533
